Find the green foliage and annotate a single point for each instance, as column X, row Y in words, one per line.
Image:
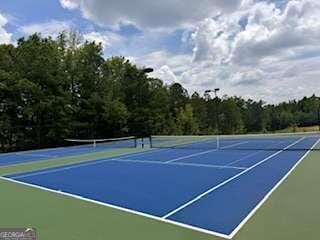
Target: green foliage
column 64, row 88
column 186, row 122
column 230, row 117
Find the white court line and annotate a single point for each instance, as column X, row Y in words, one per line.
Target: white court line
column 112, row 159
column 244, row 221
column 226, row 181
column 151, row 150
column 179, row 164
column 17, row 163
column 60, row 169
column 245, row 157
column 82, row 164
column 119, row 208
column 202, row 153
column 252, row 154
column 87, row 163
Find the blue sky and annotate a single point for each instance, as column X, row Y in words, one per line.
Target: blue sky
column 31, row 12
column 267, row 49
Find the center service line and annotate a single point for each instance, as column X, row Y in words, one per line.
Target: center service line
column 202, row 153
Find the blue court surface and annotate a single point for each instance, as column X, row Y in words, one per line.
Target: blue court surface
column 213, row 191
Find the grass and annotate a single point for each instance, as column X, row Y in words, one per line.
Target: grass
column 292, row 212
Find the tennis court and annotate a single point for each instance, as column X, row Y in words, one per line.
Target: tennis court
column 14, row 158
column 185, row 181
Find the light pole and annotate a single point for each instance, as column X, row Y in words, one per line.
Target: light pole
column 143, row 71
column 215, row 91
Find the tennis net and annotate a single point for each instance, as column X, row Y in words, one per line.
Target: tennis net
column 268, row 142
column 97, row 144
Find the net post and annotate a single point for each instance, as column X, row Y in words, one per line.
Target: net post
column 150, row 141
column 318, row 113
column 94, row 144
column 135, row 143
column 218, row 142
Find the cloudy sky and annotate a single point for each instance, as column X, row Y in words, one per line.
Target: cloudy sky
column 261, row 49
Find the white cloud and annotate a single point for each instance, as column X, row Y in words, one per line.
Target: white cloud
column 69, row 4
column 167, row 67
column 51, row 28
column 160, row 58
column 268, row 32
column 165, row 73
column 164, row 63
column 107, row 39
column 5, row 37
column 259, row 51
column 271, row 32
column 150, row 14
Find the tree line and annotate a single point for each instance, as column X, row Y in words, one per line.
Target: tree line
column 52, row 89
